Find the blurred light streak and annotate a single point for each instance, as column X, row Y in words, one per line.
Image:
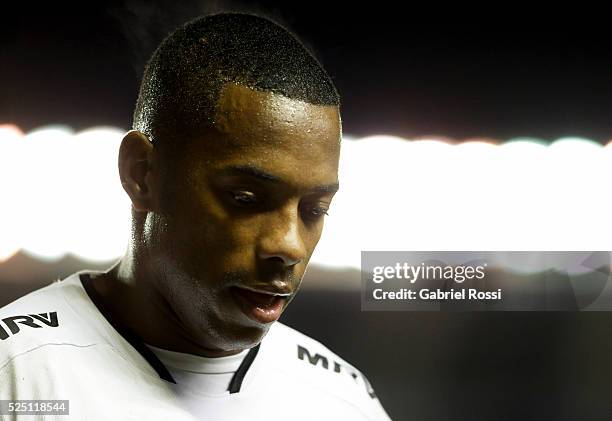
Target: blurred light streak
column 61, row 194
column 10, row 159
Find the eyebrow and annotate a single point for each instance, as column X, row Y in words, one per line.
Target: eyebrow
column 262, row 175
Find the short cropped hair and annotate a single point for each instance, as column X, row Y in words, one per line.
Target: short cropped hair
column 183, row 79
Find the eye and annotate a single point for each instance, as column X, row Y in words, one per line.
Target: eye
column 315, row 213
column 244, row 197
column 319, row 212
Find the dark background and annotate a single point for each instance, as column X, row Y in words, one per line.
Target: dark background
column 409, row 71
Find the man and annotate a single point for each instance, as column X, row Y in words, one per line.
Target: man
column 231, row 167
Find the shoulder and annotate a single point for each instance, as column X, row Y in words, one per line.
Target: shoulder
column 313, row 363
column 307, row 356
column 49, row 316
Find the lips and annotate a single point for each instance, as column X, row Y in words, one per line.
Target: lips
column 259, row 304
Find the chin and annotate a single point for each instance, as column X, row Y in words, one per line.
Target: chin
column 231, row 337
column 247, row 337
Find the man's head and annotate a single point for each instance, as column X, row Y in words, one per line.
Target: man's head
column 231, row 167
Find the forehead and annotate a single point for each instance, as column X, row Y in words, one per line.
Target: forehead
column 286, row 137
column 245, row 115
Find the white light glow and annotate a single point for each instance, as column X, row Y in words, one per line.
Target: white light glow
column 64, row 194
column 61, row 194
column 10, row 160
column 430, row 195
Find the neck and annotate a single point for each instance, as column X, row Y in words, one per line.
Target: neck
column 129, row 293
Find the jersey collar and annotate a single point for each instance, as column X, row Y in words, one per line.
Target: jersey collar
column 137, row 343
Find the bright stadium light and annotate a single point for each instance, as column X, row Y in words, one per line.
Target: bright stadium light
column 45, row 191
column 61, row 194
column 10, row 160
column 431, row 195
column 69, row 195
column 100, row 217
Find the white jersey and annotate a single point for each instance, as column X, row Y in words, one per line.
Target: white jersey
column 55, row 344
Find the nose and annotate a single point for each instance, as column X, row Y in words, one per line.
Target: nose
column 281, row 239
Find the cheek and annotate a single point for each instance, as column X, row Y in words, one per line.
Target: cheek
column 210, row 243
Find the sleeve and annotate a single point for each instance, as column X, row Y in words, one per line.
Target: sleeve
column 8, row 389
column 371, row 404
column 26, row 377
column 23, row 377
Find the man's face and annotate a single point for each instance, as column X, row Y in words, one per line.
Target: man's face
column 247, row 211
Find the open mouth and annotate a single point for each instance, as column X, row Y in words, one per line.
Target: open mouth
column 258, row 305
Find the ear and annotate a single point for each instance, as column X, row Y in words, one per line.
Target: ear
column 137, row 170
